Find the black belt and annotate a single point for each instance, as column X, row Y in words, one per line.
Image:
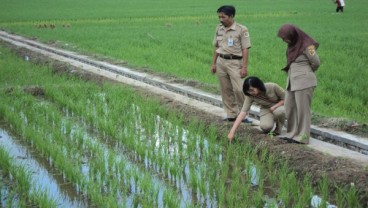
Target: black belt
column 229, row 56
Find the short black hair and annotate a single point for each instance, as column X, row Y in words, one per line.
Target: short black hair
column 227, row 9
column 253, row 82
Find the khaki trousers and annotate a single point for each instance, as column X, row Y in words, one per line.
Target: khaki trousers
column 267, row 119
column 298, row 114
column 231, row 85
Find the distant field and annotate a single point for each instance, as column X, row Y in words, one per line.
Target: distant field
column 175, row 37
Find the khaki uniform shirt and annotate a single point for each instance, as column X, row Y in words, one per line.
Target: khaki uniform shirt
column 274, row 93
column 301, row 72
column 232, row 41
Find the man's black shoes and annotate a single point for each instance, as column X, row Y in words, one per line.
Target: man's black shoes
column 246, row 120
column 229, row 119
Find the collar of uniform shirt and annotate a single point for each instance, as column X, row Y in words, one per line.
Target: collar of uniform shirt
column 230, row 28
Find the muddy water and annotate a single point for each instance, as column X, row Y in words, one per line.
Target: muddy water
column 121, row 198
column 170, row 140
column 160, row 175
column 179, row 143
column 41, row 178
column 7, row 198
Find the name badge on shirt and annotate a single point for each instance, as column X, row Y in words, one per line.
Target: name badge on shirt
column 230, row 42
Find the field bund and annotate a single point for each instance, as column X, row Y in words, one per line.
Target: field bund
column 350, row 146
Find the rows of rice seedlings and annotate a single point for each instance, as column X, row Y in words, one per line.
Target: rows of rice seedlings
column 97, row 171
column 213, row 172
column 130, row 131
column 162, row 146
column 20, row 191
column 8, row 197
column 8, row 194
column 183, row 156
column 41, row 176
column 234, row 173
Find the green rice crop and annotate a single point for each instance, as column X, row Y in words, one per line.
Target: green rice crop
column 174, row 38
column 22, row 192
column 80, row 124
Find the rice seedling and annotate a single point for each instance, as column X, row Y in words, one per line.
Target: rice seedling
column 305, row 195
column 351, row 197
column 340, row 197
column 22, row 185
column 323, row 186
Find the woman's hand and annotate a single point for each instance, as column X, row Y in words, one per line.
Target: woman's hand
column 272, row 109
column 280, row 103
column 230, row 136
column 236, row 124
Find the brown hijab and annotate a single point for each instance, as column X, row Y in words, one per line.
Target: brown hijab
column 299, row 41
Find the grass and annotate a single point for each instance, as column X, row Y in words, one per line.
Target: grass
column 174, row 38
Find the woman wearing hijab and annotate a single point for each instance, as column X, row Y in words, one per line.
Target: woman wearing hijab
column 302, row 62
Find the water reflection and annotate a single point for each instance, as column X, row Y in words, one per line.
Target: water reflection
column 7, row 198
column 41, row 179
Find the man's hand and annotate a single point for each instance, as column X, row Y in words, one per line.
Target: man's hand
column 243, row 72
column 213, row 68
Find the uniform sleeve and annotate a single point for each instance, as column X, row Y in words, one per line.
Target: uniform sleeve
column 215, row 39
column 312, row 55
column 244, row 38
column 279, row 91
column 247, row 103
column 214, row 42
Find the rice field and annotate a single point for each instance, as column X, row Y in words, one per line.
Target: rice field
column 174, row 38
column 81, row 144
column 113, row 148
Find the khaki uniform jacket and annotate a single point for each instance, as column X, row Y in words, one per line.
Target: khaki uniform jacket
column 301, row 72
column 232, row 41
column 274, row 93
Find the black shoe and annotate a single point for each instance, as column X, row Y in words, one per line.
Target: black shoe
column 246, row 120
column 294, row 141
column 229, row 119
column 290, row 140
column 284, row 138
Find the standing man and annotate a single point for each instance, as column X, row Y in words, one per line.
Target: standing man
column 230, row 60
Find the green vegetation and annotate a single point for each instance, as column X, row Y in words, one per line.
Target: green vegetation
column 175, row 38
column 117, row 149
column 18, row 189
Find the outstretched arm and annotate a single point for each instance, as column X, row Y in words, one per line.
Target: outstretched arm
column 236, row 124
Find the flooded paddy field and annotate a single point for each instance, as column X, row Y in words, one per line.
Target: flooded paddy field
column 43, row 180
column 100, row 144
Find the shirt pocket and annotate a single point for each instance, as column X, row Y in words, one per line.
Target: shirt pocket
column 219, row 39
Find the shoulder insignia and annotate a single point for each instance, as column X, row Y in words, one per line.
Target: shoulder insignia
column 311, row 50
